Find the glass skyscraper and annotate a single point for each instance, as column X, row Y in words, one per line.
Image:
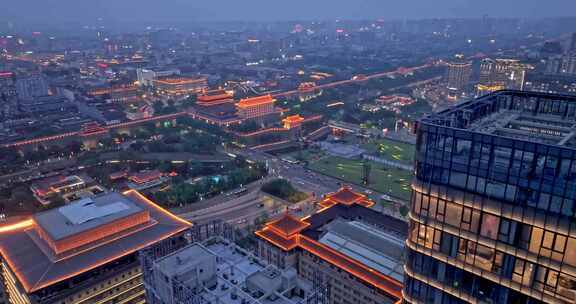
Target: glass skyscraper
column 492, row 213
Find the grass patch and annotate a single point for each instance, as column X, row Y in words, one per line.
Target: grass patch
column 390, row 181
column 392, row 150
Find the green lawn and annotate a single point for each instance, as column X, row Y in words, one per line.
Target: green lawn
column 391, row 150
column 390, row 181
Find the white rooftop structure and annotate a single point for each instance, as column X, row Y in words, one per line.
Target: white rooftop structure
column 86, row 210
column 367, row 244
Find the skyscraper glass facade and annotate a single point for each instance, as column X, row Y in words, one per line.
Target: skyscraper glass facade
column 492, row 213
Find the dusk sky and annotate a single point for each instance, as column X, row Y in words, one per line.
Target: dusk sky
column 44, row 11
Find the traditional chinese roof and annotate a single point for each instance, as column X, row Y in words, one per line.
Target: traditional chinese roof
column 346, row 196
column 293, row 119
column 255, row 101
column 179, row 80
column 288, row 225
column 214, row 97
column 145, row 176
column 289, row 233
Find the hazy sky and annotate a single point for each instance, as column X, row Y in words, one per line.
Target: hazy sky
column 42, row 11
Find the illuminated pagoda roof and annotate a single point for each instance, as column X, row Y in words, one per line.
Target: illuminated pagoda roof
column 288, row 225
column 214, row 97
column 61, row 243
column 293, row 119
column 255, row 101
column 170, row 80
column 346, row 196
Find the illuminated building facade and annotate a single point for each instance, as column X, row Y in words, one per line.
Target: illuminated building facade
column 458, row 75
column 501, row 74
column 146, row 77
column 86, row 251
column 177, row 86
column 256, row 108
column 366, row 270
column 215, row 107
column 493, row 203
column 126, row 93
column 59, row 184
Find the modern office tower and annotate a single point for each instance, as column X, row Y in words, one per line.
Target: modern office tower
column 501, row 74
column 7, row 85
column 355, row 250
column 86, row 251
column 493, row 204
column 568, row 65
column 458, row 75
column 551, row 49
column 572, row 47
column 31, row 87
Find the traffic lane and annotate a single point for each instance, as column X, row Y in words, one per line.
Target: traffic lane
column 244, row 215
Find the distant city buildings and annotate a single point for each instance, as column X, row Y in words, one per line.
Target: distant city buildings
column 499, row 74
column 146, row 77
column 458, row 76
column 31, row 87
column 556, row 84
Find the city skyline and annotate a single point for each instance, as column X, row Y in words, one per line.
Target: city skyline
column 50, row 12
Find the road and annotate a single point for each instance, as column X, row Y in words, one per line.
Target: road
column 400, row 70
column 245, row 209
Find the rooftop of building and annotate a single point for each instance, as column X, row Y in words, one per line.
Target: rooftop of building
column 239, row 272
column 348, row 235
column 84, row 215
column 37, row 266
column 181, row 260
column 527, row 116
column 346, row 196
column 55, row 183
column 373, row 247
column 172, row 80
column 214, row 96
column 255, row 101
column 293, row 119
column 145, row 176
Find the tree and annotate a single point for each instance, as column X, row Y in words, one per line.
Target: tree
column 404, row 210
column 283, row 189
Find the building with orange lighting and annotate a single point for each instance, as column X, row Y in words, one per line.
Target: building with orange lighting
column 356, row 251
column 124, row 93
column 86, row 251
column 215, row 107
column 178, row 86
column 258, row 108
column 57, row 185
column 146, row 179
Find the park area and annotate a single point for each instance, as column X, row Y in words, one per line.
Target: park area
column 391, row 150
column 390, row 181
